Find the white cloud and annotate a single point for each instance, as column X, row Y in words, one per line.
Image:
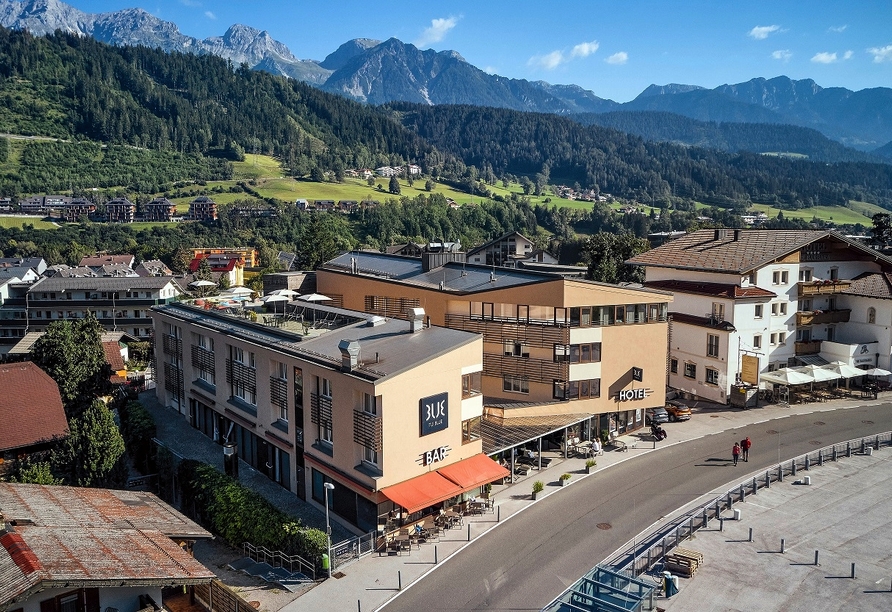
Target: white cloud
column 848, row 55
column 782, row 54
column 210, row 15
column 762, row 32
column 824, row 58
column 192, row 3
column 618, row 58
column 491, row 70
column 549, row 61
column 436, row 32
column 585, row 49
column 881, row 54
column 837, row 29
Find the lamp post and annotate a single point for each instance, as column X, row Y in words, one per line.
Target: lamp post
column 328, row 487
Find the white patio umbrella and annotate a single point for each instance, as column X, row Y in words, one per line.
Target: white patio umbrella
column 240, row 290
column 876, row 372
column 787, row 376
column 818, row 373
column 202, row 283
column 288, row 292
column 314, row 297
column 843, row 369
column 268, row 299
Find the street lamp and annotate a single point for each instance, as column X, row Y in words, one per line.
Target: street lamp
column 328, row 487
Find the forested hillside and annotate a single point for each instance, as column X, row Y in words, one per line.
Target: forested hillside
column 561, row 150
column 731, row 137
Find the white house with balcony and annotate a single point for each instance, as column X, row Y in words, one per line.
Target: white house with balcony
column 786, row 297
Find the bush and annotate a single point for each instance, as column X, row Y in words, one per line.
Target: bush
column 538, row 486
column 564, row 477
column 240, row 515
column 589, row 463
column 138, row 429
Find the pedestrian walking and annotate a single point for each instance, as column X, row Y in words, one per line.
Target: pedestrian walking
column 745, row 447
column 735, row 452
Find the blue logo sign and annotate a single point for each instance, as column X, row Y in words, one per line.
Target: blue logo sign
column 434, row 413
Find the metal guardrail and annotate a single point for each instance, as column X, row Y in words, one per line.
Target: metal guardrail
column 277, row 558
column 643, row 552
column 352, row 549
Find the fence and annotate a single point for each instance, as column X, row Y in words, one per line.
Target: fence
column 344, row 552
column 641, row 554
column 276, row 558
column 217, row 597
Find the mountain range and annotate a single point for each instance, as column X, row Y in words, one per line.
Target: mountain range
column 378, row 72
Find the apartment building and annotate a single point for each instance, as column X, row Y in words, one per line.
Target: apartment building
column 554, row 348
column 203, row 208
column 770, row 298
column 159, row 209
column 120, row 210
column 381, row 408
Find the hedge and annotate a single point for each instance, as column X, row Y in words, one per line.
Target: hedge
column 238, row 514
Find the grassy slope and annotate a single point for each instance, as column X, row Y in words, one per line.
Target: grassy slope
column 18, row 221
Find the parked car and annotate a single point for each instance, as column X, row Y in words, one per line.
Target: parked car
column 678, row 411
column 656, row 415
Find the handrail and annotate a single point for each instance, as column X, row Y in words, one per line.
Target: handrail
column 637, row 556
column 277, row 558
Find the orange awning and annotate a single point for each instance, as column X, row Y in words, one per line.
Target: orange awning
column 422, row 491
column 473, row 472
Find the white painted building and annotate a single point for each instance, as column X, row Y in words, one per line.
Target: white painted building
column 787, row 297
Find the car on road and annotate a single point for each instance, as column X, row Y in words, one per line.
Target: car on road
column 656, row 416
column 678, row 411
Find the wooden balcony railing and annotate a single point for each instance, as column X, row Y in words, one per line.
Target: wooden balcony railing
column 808, row 348
column 817, row 317
column 823, row 287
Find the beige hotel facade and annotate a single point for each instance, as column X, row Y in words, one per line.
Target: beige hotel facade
column 567, row 352
column 388, row 410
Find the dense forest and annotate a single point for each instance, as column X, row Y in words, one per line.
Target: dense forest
column 70, row 88
column 731, row 137
column 561, row 150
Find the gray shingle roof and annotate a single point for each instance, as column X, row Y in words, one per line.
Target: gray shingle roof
column 60, row 284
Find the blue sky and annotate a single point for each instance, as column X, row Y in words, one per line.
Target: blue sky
column 613, row 48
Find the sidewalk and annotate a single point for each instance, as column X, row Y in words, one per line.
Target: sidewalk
column 373, row 580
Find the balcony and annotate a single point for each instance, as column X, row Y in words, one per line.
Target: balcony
column 817, row 317
column 812, row 347
column 825, row 287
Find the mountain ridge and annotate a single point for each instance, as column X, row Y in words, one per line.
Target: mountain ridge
column 378, row 72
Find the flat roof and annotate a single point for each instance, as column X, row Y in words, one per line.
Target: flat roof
column 387, row 348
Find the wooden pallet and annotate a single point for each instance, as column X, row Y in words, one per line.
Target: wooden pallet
column 684, row 562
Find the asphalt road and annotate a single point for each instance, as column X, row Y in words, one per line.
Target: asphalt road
column 531, row 558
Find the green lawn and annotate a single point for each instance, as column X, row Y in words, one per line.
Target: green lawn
column 256, row 167
column 836, row 214
column 19, row 221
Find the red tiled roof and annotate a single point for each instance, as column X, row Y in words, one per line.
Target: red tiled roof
column 31, row 408
column 719, row 290
column 739, row 251
column 113, row 356
column 91, row 536
column 875, row 285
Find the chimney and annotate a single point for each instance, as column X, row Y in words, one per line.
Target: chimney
column 736, row 235
column 349, row 354
column 352, row 265
column 416, row 319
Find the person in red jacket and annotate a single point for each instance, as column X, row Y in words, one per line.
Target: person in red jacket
column 735, row 452
column 745, row 447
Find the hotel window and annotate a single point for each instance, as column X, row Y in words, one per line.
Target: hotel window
column 561, row 353
column 805, row 275
column 772, row 339
column 782, row 337
column 516, row 349
column 872, row 315
column 690, row 370
column 370, row 455
column 471, row 384
column 325, row 387
column 673, row 365
column 712, row 376
column 780, row 277
column 369, row 404
column 718, row 311
column 758, row 311
column 712, row 345
column 757, row 342
column 515, row 384
column 470, row 430
column 779, row 308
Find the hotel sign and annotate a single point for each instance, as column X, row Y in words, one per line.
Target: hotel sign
column 434, row 456
column 626, row 395
column 434, row 413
